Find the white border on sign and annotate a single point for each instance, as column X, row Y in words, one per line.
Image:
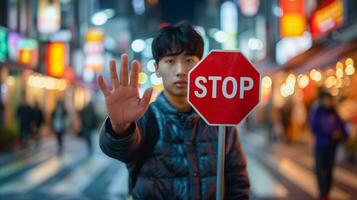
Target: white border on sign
column 188, row 88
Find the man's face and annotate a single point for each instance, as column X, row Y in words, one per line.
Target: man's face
column 174, row 71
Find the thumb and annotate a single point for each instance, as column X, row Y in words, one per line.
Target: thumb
column 146, row 98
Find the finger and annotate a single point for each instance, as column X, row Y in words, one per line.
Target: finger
column 146, row 98
column 114, row 74
column 124, row 70
column 103, row 87
column 134, row 74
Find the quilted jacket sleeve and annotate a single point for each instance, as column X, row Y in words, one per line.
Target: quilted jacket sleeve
column 129, row 146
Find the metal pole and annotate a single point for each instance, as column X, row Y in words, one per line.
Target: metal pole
column 220, row 162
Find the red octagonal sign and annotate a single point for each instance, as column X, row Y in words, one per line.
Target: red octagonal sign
column 223, row 87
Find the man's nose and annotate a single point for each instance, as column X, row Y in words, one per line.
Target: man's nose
column 181, row 69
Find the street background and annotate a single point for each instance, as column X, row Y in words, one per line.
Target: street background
column 51, row 51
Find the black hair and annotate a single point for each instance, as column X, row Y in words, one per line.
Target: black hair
column 176, row 39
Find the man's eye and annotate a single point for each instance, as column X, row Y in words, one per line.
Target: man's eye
column 189, row 60
column 169, row 61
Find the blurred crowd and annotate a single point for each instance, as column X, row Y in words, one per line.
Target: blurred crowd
column 31, row 122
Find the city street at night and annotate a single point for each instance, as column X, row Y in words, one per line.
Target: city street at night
column 178, row 99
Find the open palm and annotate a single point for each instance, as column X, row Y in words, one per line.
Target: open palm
column 123, row 102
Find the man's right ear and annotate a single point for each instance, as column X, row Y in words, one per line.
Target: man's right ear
column 157, row 70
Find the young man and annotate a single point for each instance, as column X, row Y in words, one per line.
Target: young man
column 170, row 152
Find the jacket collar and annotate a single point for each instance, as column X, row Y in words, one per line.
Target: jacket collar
column 171, row 112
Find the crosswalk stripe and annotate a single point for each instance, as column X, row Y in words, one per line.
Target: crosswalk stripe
column 264, row 184
column 22, row 161
column 119, row 184
column 341, row 174
column 16, row 166
column 11, row 156
column 38, row 175
column 302, row 177
column 346, row 177
column 14, row 156
column 84, row 174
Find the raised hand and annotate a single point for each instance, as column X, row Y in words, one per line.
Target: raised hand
column 123, row 102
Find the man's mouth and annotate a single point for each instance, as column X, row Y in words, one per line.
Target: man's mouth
column 181, row 84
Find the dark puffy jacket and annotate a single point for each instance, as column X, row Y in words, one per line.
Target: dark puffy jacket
column 173, row 155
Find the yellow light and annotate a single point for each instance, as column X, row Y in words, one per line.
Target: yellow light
column 30, row 80
column 265, row 92
column 315, row 75
column 25, row 56
column 46, row 82
column 291, row 78
column 339, row 83
column 62, row 84
column 290, row 89
column 56, row 59
column 283, row 91
column 349, row 61
column 332, row 12
column 292, row 25
column 51, row 83
column 290, row 84
column 43, row 82
column 142, row 78
column 330, row 81
column 350, row 69
column 286, row 89
column 339, row 65
column 312, row 72
column 303, row 81
column 10, row 81
column 94, row 35
column 34, row 81
column 339, row 72
column 267, row 82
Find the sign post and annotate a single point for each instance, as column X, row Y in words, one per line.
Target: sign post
column 223, row 88
column 220, row 162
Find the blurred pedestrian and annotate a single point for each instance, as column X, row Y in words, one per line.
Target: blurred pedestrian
column 38, row 120
column 351, row 146
column 89, row 123
column 286, row 120
column 2, row 120
column 170, row 152
column 272, row 121
column 24, row 113
column 328, row 129
column 58, row 124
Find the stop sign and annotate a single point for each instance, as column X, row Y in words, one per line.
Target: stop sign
column 223, row 87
